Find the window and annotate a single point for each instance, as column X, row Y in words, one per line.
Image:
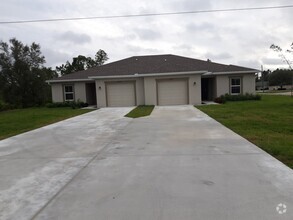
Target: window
column 68, row 93
column 235, row 86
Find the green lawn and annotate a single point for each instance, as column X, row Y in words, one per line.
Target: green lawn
column 17, row 121
column 267, row 123
column 140, row 111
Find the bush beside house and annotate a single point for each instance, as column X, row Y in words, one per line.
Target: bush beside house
column 224, row 98
column 77, row 104
column 5, row 106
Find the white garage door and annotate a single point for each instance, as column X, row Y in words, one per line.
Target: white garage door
column 173, row 92
column 120, row 94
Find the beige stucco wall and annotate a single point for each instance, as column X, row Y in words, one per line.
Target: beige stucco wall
column 194, row 90
column 101, row 90
column 150, row 90
column 223, row 84
column 79, row 91
column 140, row 91
column 57, row 92
column 248, row 83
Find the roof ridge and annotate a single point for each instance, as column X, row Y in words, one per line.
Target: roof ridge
column 150, row 55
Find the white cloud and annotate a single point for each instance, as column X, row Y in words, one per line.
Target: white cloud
column 219, row 56
column 75, row 38
column 147, row 34
column 54, row 57
column 240, row 38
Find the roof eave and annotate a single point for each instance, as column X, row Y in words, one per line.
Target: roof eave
column 230, row 72
column 68, row 80
column 149, row 75
column 202, row 72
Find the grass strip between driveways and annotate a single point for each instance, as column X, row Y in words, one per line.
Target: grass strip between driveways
column 267, row 123
column 17, row 121
column 140, row 111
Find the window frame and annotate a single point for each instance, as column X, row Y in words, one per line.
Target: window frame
column 233, row 86
column 66, row 93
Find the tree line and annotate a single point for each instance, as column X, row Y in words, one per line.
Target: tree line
column 278, row 77
column 23, row 74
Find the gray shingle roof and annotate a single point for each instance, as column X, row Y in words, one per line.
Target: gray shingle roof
column 153, row 64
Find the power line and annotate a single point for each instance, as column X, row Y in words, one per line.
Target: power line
column 146, row 15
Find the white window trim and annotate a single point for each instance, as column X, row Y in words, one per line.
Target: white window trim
column 240, row 85
column 65, row 93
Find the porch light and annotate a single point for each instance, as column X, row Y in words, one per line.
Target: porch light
column 194, row 83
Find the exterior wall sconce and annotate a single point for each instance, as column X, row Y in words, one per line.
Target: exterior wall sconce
column 194, row 83
column 100, row 87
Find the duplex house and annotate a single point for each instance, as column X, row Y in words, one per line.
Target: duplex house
column 153, row 80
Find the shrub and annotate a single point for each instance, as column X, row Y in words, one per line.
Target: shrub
column 74, row 105
column 5, row 106
column 220, row 100
column 58, row 104
column 241, row 97
column 80, row 104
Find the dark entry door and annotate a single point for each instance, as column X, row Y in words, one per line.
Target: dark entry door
column 204, row 89
column 91, row 97
column 207, row 85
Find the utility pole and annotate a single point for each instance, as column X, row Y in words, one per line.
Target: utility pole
column 262, row 79
column 290, row 67
column 291, row 78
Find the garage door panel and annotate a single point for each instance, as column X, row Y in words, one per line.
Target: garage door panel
column 172, row 92
column 121, row 94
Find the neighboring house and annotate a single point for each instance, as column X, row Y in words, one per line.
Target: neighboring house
column 262, row 85
column 153, row 80
column 284, row 87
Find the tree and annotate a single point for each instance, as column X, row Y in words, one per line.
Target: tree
column 280, row 77
column 82, row 63
column 22, row 74
column 285, row 58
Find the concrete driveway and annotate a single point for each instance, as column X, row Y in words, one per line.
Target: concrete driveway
column 176, row 164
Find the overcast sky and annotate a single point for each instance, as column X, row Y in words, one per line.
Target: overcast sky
column 239, row 38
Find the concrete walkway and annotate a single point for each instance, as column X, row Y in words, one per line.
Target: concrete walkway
column 176, row 164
